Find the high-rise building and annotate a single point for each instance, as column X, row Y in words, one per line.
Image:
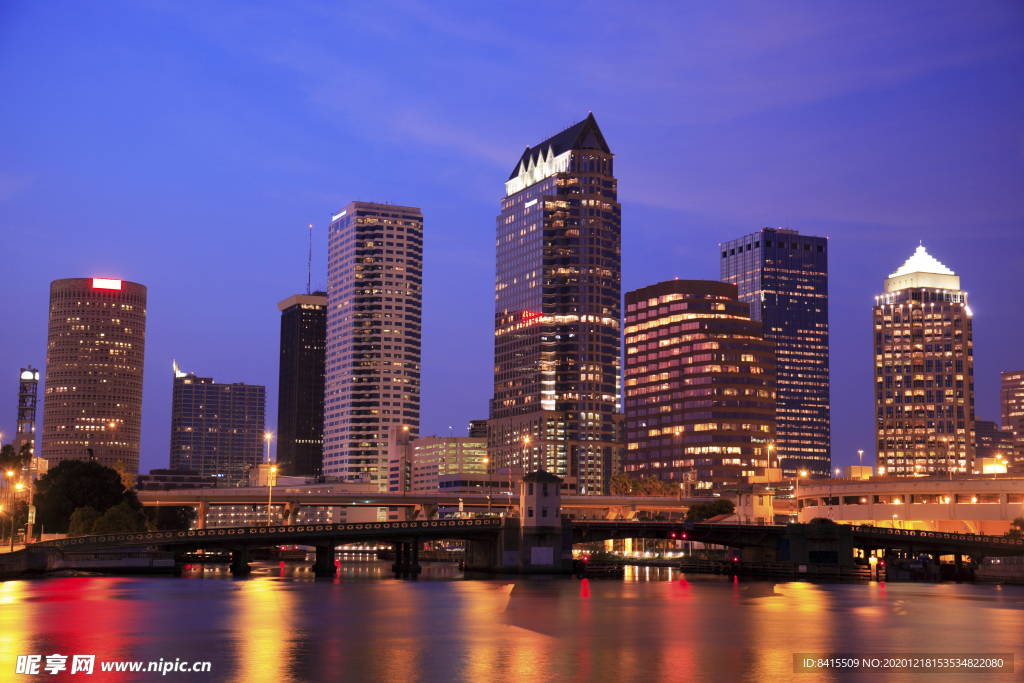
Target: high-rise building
column 478, row 429
column 557, row 392
column 300, row 396
column 96, row 343
column 783, row 275
column 374, row 309
column 216, row 429
column 700, row 385
column 992, row 443
column 28, row 391
column 1011, row 404
column 924, row 371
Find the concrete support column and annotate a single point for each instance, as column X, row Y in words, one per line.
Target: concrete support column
column 324, row 564
column 240, row 562
column 399, row 565
column 201, row 515
column 291, row 513
column 414, row 561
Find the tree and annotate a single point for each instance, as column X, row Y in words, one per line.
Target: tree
column 1016, row 528
column 170, row 517
column 127, row 478
column 699, row 512
column 621, row 485
column 73, row 484
column 120, row 519
column 82, row 521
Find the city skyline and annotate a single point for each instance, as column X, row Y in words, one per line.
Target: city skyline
column 894, row 151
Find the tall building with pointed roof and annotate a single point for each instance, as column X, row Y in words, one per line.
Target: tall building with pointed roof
column 924, row 371
column 557, row 391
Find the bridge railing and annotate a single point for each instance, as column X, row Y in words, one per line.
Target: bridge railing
column 253, row 532
column 945, row 535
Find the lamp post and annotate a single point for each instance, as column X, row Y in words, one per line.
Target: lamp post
column 270, row 490
column 894, row 521
column 267, row 436
column 487, row 461
column 802, row 473
column 11, row 517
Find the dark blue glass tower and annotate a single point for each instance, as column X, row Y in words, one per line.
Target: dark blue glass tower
column 783, row 275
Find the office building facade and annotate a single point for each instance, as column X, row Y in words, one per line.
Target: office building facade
column 557, row 388
column 300, row 397
column 216, row 429
column 783, row 275
column 924, row 371
column 374, row 309
column 96, row 344
column 28, row 393
column 700, row 385
column 437, row 456
column 1011, row 408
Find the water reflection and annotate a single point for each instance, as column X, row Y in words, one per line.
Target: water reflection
column 283, row 624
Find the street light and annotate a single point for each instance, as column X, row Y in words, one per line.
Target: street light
column 270, row 490
column 801, row 473
column 894, row 521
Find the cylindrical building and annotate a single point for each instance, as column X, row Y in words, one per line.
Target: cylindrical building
column 92, row 405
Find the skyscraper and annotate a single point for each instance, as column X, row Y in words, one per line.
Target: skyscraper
column 374, row 308
column 557, row 391
column 28, row 390
column 216, row 429
column 96, row 345
column 1011, row 405
column 924, row 371
column 783, row 275
column 700, row 384
column 300, row 396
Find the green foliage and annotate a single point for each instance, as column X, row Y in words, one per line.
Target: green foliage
column 82, row 521
column 127, row 478
column 1016, row 528
column 120, row 519
column 170, row 518
column 9, row 460
column 624, row 485
column 699, row 512
column 74, row 484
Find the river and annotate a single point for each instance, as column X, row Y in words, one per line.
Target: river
column 281, row 624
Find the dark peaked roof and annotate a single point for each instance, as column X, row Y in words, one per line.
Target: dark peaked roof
column 542, row 476
column 583, row 135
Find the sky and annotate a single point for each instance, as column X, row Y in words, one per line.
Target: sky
column 189, row 146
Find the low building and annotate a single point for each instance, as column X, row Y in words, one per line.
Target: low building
column 434, row 457
column 171, row 480
column 963, row 504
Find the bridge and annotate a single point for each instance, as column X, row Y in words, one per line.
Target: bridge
column 415, row 505
column 503, row 544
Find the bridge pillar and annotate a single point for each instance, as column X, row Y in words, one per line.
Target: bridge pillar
column 399, row 565
column 324, row 564
column 291, row 513
column 201, row 515
column 414, row 561
column 240, row 562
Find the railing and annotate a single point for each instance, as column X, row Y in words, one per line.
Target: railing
column 955, row 536
column 156, row 537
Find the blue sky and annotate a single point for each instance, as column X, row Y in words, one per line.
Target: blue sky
column 188, row 147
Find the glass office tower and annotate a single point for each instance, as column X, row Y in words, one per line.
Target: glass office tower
column 300, row 397
column 783, row 275
column 557, row 391
column 374, row 309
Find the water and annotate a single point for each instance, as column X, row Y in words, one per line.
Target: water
column 284, row 625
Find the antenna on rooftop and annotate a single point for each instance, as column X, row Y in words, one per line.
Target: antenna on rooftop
column 309, row 263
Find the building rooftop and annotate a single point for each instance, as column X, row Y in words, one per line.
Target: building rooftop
column 922, row 262
column 583, row 135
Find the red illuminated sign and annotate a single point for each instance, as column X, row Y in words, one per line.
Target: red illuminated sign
column 530, row 317
column 103, row 283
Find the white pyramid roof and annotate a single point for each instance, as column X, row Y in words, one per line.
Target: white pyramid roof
column 922, row 262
